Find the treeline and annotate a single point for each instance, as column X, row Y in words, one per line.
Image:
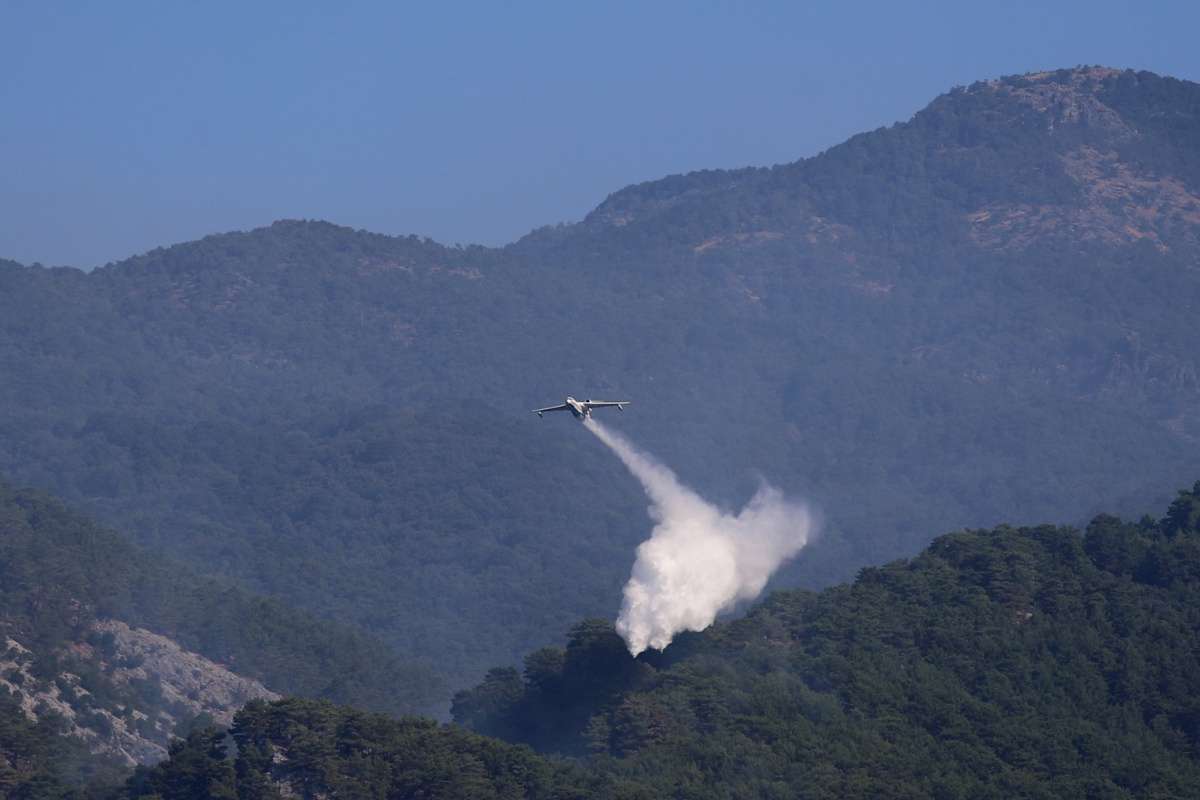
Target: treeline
column 1015, row 662
column 314, row 749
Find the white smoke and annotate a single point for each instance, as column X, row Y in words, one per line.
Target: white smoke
column 698, row 561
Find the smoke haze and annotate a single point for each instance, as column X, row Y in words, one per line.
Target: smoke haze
column 699, row 560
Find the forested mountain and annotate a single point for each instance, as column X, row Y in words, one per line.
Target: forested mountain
column 982, row 313
column 1014, row 662
column 119, row 652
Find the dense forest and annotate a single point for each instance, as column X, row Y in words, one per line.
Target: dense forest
column 981, row 314
column 1039, row 662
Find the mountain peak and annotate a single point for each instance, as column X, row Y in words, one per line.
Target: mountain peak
column 1082, row 77
column 1065, row 97
column 1121, row 143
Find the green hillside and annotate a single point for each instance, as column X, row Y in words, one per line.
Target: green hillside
column 59, row 573
column 982, row 313
column 1014, row 662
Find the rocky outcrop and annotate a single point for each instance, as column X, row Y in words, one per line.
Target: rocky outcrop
column 188, row 680
column 125, row 691
column 1118, row 205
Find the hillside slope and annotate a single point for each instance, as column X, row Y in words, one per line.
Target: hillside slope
column 120, row 652
column 983, row 312
column 1013, row 662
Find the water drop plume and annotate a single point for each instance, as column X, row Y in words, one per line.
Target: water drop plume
column 699, row 560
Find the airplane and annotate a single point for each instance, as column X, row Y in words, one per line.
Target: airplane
column 582, row 409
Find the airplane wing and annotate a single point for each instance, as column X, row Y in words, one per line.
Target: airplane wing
column 620, row 404
column 540, row 411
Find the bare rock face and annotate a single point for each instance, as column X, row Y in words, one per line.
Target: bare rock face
column 126, row 691
column 1119, row 205
column 188, row 680
column 1068, row 99
column 1119, row 202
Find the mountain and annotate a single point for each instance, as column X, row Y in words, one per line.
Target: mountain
column 1037, row 662
column 983, row 313
column 107, row 653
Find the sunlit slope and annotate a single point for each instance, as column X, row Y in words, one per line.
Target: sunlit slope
column 984, row 313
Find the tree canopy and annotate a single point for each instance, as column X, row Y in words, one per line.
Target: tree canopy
column 1037, row 662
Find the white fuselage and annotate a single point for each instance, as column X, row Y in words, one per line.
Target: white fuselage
column 578, row 409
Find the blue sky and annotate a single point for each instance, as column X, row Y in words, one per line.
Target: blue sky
column 131, row 125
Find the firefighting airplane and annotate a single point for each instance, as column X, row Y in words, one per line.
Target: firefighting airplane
column 582, row 409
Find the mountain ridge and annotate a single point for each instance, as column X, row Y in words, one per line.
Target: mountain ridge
column 1061, row 95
